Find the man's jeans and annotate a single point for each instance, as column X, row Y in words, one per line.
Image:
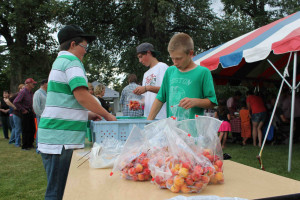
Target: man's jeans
column 57, row 169
column 18, row 130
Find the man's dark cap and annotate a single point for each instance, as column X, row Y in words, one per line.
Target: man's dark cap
column 72, row 31
column 144, row 47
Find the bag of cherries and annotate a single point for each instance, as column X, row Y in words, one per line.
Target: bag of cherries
column 132, row 163
column 176, row 166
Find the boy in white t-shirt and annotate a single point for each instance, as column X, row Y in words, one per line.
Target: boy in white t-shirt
column 152, row 79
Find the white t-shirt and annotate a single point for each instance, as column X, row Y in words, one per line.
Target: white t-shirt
column 154, row 76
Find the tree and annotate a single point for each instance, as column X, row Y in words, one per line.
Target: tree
column 285, row 8
column 262, row 12
column 228, row 27
column 26, row 26
column 123, row 25
column 4, row 76
column 255, row 9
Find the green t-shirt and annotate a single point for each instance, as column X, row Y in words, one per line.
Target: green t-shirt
column 176, row 85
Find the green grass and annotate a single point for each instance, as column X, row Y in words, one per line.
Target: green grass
column 274, row 158
column 22, row 175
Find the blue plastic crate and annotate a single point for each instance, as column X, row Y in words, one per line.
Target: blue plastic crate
column 116, row 129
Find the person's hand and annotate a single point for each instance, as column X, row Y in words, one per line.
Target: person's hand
column 187, row 103
column 25, row 112
column 139, row 90
column 94, row 116
column 110, row 117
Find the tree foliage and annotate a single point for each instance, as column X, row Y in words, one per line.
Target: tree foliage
column 26, row 27
column 261, row 12
column 123, row 25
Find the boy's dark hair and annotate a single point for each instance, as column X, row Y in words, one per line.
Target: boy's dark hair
column 7, row 91
column 44, row 81
column 65, row 46
column 132, row 78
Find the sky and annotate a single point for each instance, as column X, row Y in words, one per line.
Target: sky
column 217, row 6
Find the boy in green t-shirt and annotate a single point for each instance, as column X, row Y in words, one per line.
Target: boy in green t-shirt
column 187, row 88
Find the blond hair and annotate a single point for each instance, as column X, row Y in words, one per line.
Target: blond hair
column 181, row 41
column 90, row 86
column 98, row 89
column 21, row 86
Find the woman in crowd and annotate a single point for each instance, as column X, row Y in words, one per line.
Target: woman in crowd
column 5, row 114
column 258, row 112
column 99, row 92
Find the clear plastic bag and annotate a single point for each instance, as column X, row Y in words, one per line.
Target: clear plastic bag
column 211, row 197
column 180, row 113
column 133, row 160
column 104, row 155
column 176, row 166
column 134, row 101
column 203, row 139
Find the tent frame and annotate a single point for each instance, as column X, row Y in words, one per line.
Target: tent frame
column 293, row 88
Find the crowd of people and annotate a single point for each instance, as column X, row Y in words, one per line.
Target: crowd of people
column 21, row 111
column 246, row 118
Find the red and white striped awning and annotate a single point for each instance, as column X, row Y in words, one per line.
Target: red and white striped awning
column 244, row 57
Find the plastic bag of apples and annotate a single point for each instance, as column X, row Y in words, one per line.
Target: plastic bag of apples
column 176, row 166
column 132, row 163
column 205, row 142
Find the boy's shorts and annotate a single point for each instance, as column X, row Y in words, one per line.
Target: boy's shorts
column 259, row 117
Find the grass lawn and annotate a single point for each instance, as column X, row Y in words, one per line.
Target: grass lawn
column 274, row 158
column 22, row 175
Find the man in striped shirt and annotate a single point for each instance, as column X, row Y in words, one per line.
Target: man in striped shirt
column 63, row 122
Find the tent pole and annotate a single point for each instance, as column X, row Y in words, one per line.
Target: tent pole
column 272, row 116
column 298, row 85
column 292, row 111
column 279, row 72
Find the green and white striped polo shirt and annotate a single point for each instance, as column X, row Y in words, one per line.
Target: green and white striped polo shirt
column 64, row 120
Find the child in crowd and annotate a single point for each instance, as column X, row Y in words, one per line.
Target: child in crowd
column 223, row 114
column 245, row 123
